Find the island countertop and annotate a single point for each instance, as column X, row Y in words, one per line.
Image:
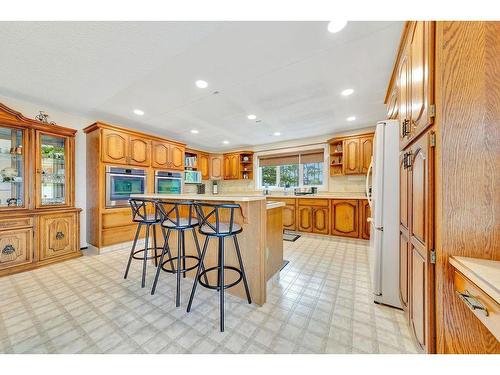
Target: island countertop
column 203, row 197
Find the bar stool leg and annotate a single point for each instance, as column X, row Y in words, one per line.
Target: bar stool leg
column 179, row 253
column 155, row 245
column 198, row 271
column 221, row 282
column 158, row 267
column 237, row 247
column 183, row 254
column 197, row 244
column 144, row 263
column 132, row 250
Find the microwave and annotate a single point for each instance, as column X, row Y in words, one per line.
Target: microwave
column 121, row 183
column 192, row 177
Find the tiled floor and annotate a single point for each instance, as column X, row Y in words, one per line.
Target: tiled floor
column 320, row 304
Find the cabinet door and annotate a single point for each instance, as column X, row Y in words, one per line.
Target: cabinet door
column 139, row 151
column 421, row 243
column 227, row 167
column 403, row 193
column 420, row 77
column 321, row 220
column 58, row 235
column 114, row 147
column 289, row 217
column 235, row 167
column 305, row 219
column 161, row 155
column 204, row 166
column 403, row 268
column 54, row 170
column 366, row 149
column 16, row 247
column 14, row 187
column 177, row 157
column 392, row 105
column 345, row 218
column 403, row 101
column 364, row 214
column 216, row 167
column 351, row 156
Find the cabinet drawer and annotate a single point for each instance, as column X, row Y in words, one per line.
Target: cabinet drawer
column 117, row 218
column 58, row 235
column 284, row 200
column 491, row 317
column 313, row 202
column 16, row 247
column 17, row 222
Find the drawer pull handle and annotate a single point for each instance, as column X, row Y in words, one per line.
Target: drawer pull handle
column 472, row 302
column 59, row 235
column 9, row 249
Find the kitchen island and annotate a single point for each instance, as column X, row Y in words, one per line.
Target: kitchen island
column 260, row 241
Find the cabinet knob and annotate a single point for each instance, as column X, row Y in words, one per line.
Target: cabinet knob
column 59, row 235
column 9, row 249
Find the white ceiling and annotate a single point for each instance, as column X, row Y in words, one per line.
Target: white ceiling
column 290, row 74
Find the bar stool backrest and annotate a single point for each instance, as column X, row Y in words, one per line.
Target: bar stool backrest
column 171, row 213
column 210, row 214
column 140, row 210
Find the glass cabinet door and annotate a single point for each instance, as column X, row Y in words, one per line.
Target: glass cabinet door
column 12, row 171
column 53, row 170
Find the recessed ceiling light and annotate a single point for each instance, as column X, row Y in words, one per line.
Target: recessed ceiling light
column 336, row 26
column 194, row 131
column 276, row 134
column 201, row 84
column 139, row 112
column 351, row 118
column 347, row 92
column 225, row 142
column 251, row 117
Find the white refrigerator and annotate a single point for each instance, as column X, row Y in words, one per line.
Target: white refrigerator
column 384, row 204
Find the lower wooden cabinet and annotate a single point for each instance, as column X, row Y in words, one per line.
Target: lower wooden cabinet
column 289, row 217
column 305, row 219
column 58, row 235
column 345, row 218
column 16, row 247
column 364, row 214
column 403, row 268
column 320, row 220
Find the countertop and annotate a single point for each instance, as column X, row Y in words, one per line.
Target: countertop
column 321, row 196
column 482, row 272
column 203, row 197
column 270, row 205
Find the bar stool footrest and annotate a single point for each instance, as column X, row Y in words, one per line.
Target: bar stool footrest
column 148, row 257
column 216, row 287
column 174, row 270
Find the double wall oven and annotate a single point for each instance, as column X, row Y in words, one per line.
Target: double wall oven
column 168, row 182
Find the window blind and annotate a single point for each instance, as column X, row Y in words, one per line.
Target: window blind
column 310, row 156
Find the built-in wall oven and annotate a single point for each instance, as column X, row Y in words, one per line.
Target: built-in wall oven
column 168, row 182
column 121, row 183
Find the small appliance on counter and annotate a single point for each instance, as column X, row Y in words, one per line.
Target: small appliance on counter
column 192, row 177
column 200, row 189
column 305, row 191
column 215, row 187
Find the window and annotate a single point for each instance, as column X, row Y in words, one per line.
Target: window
column 304, row 169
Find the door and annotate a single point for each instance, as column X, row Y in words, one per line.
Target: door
column 177, row 157
column 216, row 167
column 139, row 151
column 53, row 170
column 114, row 147
column 421, row 242
column 351, row 156
column 204, row 166
column 320, row 220
column 160, row 155
column 365, row 213
column 16, row 247
column 404, row 111
column 420, row 77
column 58, row 235
column 305, row 219
column 289, row 217
column 345, row 218
column 366, row 149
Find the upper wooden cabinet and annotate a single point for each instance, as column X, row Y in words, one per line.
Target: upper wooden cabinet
column 216, row 167
column 121, row 148
column 139, row 149
column 351, row 155
column 160, row 155
column 238, row 165
column 177, row 157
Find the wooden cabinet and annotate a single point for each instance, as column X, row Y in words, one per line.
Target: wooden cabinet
column 238, row 165
column 351, row 155
column 16, row 247
column 404, row 262
column 364, row 215
column 121, row 148
column 204, row 166
column 216, row 167
column 313, row 215
column 58, row 235
column 160, row 155
column 320, row 219
column 345, row 218
column 177, row 157
column 139, row 149
column 304, row 219
column 234, row 166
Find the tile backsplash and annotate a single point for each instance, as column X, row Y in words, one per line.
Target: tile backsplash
column 347, row 184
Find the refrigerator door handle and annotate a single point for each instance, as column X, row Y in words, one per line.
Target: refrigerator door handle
column 367, row 188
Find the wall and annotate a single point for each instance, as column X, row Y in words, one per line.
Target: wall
column 30, row 110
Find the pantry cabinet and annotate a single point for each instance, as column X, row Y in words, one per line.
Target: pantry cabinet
column 37, row 180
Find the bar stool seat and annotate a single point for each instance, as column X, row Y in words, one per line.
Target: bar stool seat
column 224, row 228
column 182, row 223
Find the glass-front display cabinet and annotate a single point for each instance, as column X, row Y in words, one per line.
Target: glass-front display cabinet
column 52, row 170
column 12, row 167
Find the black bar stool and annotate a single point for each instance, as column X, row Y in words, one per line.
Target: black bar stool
column 210, row 225
column 171, row 218
column 140, row 208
